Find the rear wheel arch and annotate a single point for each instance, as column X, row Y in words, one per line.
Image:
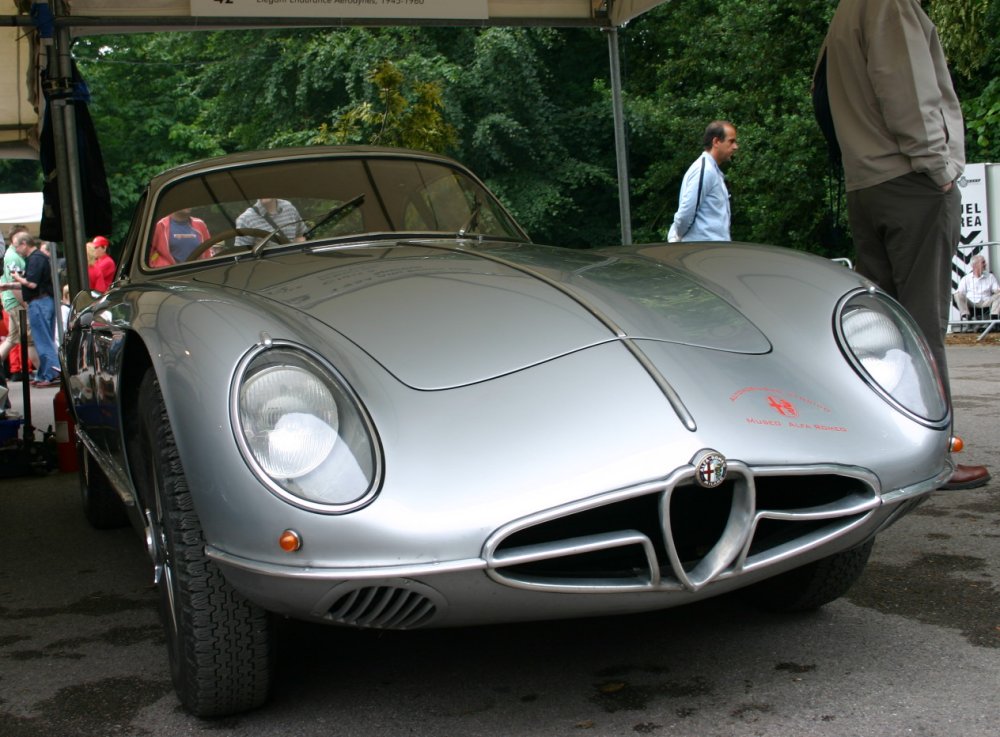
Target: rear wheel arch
column 136, row 361
column 102, row 505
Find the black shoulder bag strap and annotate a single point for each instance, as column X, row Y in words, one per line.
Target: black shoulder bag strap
column 697, row 202
column 823, row 113
column 701, row 181
column 835, row 175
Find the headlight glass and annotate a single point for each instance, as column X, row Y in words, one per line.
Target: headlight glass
column 304, row 432
column 887, row 348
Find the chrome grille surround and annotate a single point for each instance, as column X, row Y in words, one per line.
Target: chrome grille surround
column 672, row 535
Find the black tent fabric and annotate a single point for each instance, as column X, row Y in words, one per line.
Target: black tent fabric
column 93, row 177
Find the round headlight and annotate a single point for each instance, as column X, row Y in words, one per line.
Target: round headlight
column 303, row 431
column 290, row 419
column 888, row 350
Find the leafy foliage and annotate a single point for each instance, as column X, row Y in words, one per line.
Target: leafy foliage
column 397, row 121
column 750, row 63
column 960, row 23
column 529, row 109
column 20, row 175
column 969, row 30
column 145, row 110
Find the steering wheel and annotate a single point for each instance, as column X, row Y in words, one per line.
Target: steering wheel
column 232, row 233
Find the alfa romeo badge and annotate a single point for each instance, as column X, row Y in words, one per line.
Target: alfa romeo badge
column 711, row 469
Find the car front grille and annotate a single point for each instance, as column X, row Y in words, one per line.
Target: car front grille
column 678, row 535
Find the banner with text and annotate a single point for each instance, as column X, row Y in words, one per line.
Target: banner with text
column 975, row 228
column 387, row 9
column 975, row 224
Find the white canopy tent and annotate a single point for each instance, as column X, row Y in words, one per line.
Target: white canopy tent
column 22, row 52
column 19, row 118
column 20, row 208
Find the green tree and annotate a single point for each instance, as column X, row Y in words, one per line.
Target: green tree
column 519, row 105
column 309, row 86
column 528, row 109
column 536, row 128
column 751, row 63
column 969, row 31
column 960, row 24
column 396, row 121
column 20, row 175
column 144, row 109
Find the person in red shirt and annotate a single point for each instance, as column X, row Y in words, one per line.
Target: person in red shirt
column 102, row 271
column 176, row 237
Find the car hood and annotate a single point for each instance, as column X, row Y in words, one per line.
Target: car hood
column 439, row 316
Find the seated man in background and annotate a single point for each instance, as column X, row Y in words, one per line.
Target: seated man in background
column 978, row 288
column 269, row 214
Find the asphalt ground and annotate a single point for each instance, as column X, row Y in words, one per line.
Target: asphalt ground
column 913, row 649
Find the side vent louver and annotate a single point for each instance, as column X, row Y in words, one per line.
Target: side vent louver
column 383, row 607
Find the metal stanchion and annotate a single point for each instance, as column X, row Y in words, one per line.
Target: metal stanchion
column 28, row 430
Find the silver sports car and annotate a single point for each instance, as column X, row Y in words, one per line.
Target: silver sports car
column 343, row 385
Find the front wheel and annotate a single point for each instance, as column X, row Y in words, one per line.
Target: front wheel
column 812, row 585
column 220, row 644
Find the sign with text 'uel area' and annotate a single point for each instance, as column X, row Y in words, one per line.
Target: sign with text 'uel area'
column 975, row 223
column 391, row 9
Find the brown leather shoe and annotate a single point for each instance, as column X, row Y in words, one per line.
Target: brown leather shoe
column 967, row 477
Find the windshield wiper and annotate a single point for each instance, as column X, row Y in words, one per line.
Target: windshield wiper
column 337, row 212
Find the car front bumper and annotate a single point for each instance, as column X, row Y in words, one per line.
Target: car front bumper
column 653, row 546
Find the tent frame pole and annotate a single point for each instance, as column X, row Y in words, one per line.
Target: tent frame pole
column 621, row 154
column 64, row 136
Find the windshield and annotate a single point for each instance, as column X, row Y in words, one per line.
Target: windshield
column 251, row 206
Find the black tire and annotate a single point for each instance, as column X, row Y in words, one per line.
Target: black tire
column 812, row 585
column 220, row 644
column 102, row 507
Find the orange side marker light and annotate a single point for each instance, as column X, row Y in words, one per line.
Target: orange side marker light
column 290, row 541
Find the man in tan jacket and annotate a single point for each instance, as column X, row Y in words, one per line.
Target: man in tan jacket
column 899, row 126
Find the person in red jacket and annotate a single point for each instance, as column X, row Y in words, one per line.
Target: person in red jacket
column 176, row 237
column 102, row 271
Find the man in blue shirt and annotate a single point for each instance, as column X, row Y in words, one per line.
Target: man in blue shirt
column 703, row 206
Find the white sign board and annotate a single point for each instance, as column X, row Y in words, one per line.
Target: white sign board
column 975, row 227
column 975, row 220
column 389, row 9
